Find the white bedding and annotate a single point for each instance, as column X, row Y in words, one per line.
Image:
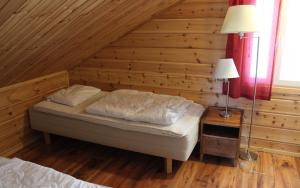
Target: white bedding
column 179, row 129
column 17, row 173
column 3, row 160
column 140, row 106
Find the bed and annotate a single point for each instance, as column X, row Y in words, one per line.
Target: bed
column 16, row 173
column 174, row 142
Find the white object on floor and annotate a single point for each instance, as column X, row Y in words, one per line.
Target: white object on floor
column 73, row 95
column 17, row 173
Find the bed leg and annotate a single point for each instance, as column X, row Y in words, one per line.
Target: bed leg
column 168, row 165
column 47, row 138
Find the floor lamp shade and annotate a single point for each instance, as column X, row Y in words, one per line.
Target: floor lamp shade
column 226, row 69
column 240, row 19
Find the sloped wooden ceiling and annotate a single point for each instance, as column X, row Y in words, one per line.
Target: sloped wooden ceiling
column 40, row 37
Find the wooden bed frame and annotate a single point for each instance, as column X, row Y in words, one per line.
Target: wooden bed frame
column 168, row 163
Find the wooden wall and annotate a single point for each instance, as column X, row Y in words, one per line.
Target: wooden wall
column 42, row 37
column 14, row 103
column 175, row 53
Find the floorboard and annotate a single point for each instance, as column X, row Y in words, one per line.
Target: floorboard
column 119, row 168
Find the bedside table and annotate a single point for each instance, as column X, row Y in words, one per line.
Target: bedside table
column 220, row 136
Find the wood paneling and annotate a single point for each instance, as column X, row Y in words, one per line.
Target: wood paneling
column 172, row 81
column 200, row 56
column 199, row 25
column 286, row 93
column 273, row 134
column 9, row 8
column 15, row 100
column 174, row 53
column 159, row 40
column 196, row 10
column 203, row 70
column 119, row 168
column 41, row 37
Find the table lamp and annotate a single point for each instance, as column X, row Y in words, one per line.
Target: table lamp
column 225, row 70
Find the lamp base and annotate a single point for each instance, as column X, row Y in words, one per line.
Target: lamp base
column 225, row 114
column 248, row 155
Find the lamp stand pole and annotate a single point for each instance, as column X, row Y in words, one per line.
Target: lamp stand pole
column 247, row 154
column 226, row 114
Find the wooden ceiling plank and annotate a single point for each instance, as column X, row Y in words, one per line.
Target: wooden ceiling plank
column 42, row 41
column 3, row 3
column 22, row 22
column 8, row 8
column 31, row 40
column 47, row 49
column 50, row 48
column 19, row 42
column 32, row 25
column 105, row 17
column 47, row 36
column 15, row 30
column 9, row 27
column 120, row 23
column 105, row 29
column 27, row 31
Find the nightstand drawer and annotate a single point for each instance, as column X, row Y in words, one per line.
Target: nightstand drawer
column 219, row 146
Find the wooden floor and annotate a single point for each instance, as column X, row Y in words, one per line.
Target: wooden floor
column 119, row 168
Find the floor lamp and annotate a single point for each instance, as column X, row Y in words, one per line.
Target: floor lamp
column 243, row 19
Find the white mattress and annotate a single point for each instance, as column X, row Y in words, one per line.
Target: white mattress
column 179, row 129
column 178, row 148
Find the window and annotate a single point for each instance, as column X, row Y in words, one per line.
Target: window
column 265, row 9
column 287, row 65
column 287, row 72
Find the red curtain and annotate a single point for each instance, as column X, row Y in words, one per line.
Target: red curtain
column 241, row 51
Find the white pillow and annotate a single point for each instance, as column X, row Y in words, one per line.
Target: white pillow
column 73, row 95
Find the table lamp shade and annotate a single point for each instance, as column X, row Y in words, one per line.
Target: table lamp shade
column 226, row 69
column 240, row 19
